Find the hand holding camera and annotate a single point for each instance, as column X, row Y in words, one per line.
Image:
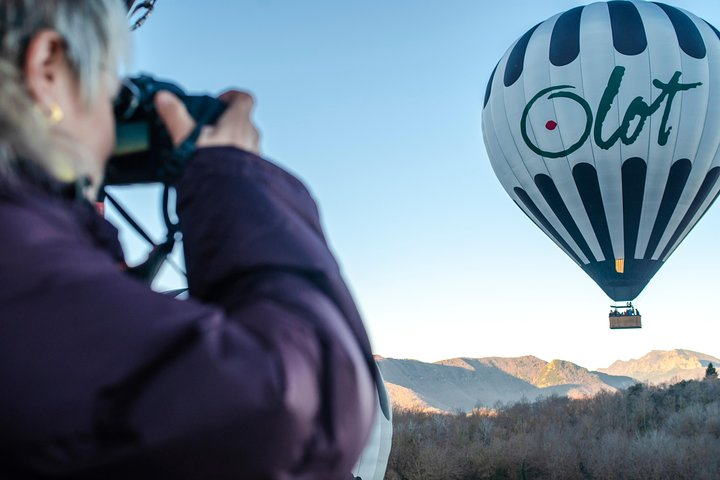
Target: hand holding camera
column 234, row 128
column 159, row 126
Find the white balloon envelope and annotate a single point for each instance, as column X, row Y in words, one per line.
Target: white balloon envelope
column 602, row 124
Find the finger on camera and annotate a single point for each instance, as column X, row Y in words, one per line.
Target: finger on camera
column 240, row 106
column 238, row 96
column 174, row 115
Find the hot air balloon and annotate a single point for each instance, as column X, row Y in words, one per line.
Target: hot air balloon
column 603, row 125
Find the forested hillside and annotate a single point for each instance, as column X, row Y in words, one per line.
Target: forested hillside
column 644, row 432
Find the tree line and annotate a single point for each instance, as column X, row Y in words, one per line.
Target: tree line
column 643, row 432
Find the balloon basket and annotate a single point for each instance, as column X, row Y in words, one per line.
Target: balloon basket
column 624, row 316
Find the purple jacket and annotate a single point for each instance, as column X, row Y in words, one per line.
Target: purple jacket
column 264, row 374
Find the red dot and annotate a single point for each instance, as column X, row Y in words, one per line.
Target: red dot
column 551, row 125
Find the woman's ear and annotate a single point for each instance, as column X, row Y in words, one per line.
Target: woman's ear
column 44, row 66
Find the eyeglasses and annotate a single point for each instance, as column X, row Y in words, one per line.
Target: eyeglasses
column 139, row 11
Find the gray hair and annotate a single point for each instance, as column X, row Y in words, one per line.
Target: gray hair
column 96, row 37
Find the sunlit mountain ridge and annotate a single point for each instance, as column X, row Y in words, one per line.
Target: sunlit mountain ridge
column 664, row 366
column 461, row 384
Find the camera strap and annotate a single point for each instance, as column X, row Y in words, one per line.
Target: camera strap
column 174, row 164
column 172, row 169
column 159, row 253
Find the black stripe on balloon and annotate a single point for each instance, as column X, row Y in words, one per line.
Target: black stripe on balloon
column 628, row 31
column 710, row 180
column 516, row 60
column 714, row 29
column 586, row 180
column 530, row 205
column 634, row 171
column 565, row 39
column 551, row 195
column 677, row 178
column 488, row 89
column 688, row 35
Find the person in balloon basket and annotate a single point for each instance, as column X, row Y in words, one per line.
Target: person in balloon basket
column 265, row 372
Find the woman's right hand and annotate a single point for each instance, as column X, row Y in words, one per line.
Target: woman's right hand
column 233, row 129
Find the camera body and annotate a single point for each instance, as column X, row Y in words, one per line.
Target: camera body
column 143, row 143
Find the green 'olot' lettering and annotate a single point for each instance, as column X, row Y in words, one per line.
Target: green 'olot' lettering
column 638, row 108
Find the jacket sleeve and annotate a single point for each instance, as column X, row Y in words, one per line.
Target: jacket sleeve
column 264, row 373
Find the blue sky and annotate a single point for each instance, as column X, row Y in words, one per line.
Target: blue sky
column 376, row 105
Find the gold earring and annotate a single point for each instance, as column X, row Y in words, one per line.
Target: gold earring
column 56, row 114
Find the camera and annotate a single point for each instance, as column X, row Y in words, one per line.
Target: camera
column 143, row 152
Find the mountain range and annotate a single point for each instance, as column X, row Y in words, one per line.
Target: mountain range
column 461, row 384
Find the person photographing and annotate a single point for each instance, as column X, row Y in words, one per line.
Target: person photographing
column 264, row 373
